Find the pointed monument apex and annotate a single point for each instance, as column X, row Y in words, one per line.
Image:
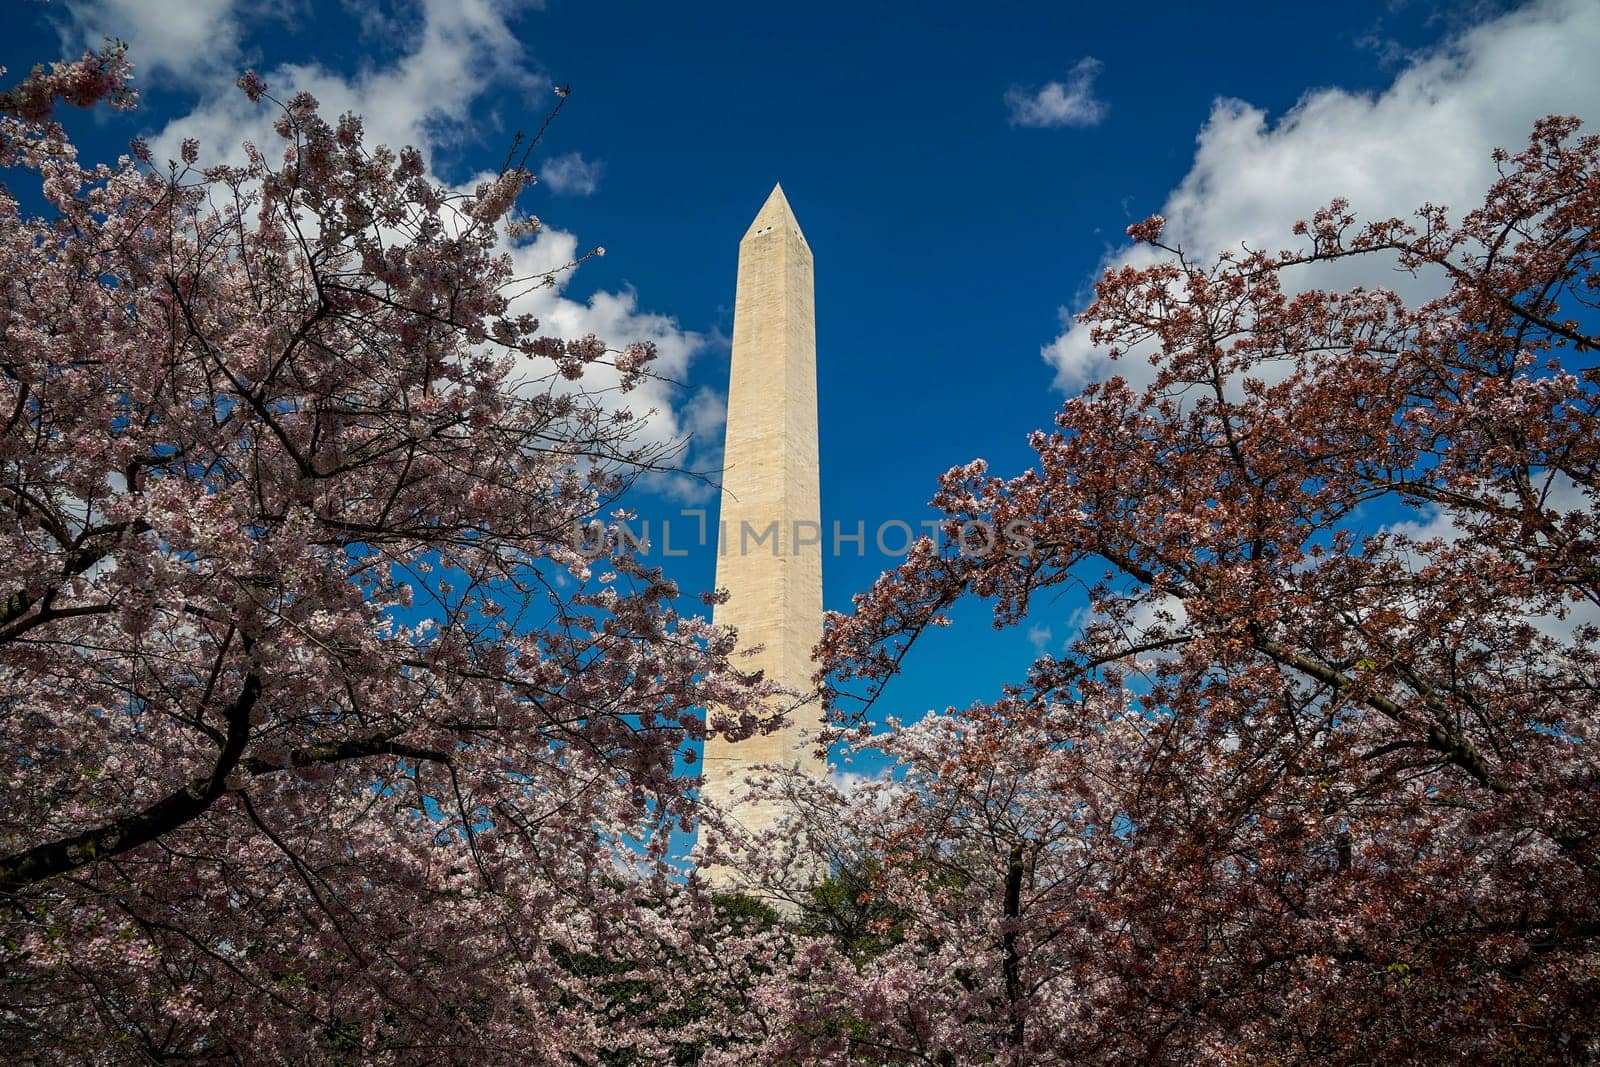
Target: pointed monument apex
column 775, row 215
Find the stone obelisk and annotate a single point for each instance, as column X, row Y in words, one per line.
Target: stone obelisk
column 769, row 552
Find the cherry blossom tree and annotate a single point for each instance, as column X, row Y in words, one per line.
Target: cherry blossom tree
column 951, row 919
column 1318, row 781
column 322, row 741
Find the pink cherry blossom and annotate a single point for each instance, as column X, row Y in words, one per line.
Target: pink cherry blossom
column 316, row 753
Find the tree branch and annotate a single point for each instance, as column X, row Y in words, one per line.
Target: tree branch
column 21, row 870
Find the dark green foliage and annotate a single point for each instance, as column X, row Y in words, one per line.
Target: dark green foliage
column 637, row 1000
column 850, row 908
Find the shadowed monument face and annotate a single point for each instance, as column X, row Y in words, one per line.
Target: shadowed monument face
column 769, row 552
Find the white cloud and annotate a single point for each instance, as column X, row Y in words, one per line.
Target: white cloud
column 186, row 41
column 457, row 53
column 706, row 412
column 702, row 418
column 1167, row 611
column 667, row 413
column 1562, row 497
column 848, row 782
column 1427, row 138
column 1039, row 637
column 570, row 175
column 1069, row 103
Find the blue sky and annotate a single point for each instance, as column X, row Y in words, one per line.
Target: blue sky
column 957, row 204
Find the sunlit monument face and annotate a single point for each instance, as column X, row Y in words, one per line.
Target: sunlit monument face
column 769, row 552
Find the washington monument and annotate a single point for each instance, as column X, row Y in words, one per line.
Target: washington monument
column 769, row 494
